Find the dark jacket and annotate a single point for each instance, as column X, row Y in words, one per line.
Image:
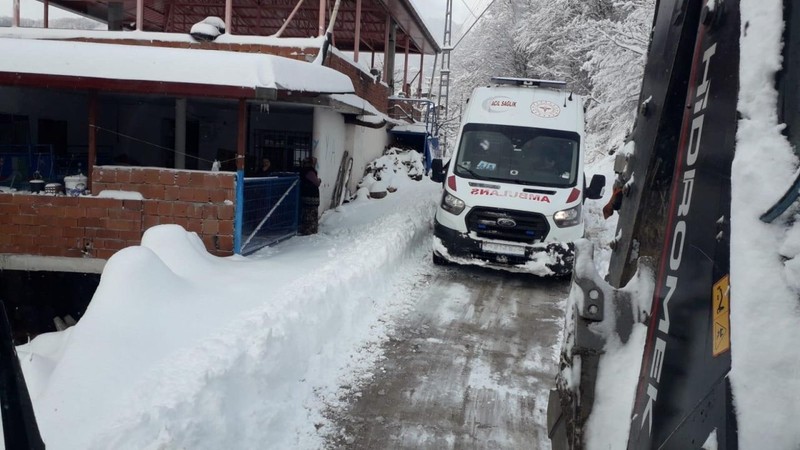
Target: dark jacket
column 309, row 182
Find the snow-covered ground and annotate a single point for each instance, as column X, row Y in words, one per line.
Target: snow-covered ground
column 183, row 349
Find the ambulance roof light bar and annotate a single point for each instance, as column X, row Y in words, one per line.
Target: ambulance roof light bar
column 530, row 82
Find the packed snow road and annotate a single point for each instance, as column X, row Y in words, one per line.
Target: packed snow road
column 469, row 367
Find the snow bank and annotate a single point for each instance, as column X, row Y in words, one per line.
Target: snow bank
column 764, row 331
column 182, row 349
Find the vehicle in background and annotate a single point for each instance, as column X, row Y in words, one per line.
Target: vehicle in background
column 514, row 187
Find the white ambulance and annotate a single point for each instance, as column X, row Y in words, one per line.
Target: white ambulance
column 514, row 186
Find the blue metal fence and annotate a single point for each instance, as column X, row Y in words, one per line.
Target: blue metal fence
column 269, row 211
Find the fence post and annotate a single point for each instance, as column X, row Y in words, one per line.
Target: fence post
column 238, row 220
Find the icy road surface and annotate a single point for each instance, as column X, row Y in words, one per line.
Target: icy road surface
column 470, row 367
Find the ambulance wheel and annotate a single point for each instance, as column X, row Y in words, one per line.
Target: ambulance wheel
column 438, row 260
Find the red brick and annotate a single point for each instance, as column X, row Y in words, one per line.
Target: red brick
column 182, row 178
column 225, row 243
column 197, row 179
column 23, row 219
column 137, row 176
column 73, row 232
column 151, row 176
column 8, row 230
column 185, row 194
column 211, row 181
column 90, row 222
column 181, row 209
column 123, row 225
column 217, row 196
column 96, row 212
column 166, row 178
column 133, row 205
column 164, row 208
column 210, row 226
column 227, row 181
column 225, row 212
column 50, row 231
column 105, row 233
column 67, row 222
column 102, row 253
column 149, row 222
column 201, row 195
column 107, row 203
column 226, row 227
column 123, row 176
column 209, row 211
column 153, row 191
column 133, row 235
column 75, row 211
column 195, row 225
column 150, row 207
column 9, row 209
column 51, row 211
column 171, row 193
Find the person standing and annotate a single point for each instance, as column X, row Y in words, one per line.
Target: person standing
column 266, row 168
column 309, row 197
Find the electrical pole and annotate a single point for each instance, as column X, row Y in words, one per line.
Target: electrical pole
column 444, row 73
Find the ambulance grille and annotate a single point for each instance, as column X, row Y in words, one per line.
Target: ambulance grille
column 530, row 227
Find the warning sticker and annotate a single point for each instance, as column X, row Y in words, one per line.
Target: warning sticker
column 720, row 313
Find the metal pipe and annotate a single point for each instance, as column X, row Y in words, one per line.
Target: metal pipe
column 15, row 14
column 289, row 19
column 322, row 8
column 228, row 16
column 47, row 13
column 357, row 42
column 241, row 139
column 139, row 15
column 92, row 150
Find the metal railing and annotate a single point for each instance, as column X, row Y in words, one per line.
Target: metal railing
column 270, row 209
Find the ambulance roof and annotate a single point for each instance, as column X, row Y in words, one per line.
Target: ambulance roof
column 526, row 106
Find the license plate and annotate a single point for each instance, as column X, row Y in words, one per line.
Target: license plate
column 504, row 249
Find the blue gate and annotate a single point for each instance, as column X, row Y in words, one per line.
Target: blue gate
column 267, row 211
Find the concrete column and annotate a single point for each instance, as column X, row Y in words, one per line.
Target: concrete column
column 180, row 133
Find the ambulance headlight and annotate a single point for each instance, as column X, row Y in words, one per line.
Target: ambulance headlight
column 568, row 217
column 452, row 204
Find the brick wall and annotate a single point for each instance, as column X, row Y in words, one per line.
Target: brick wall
column 48, row 225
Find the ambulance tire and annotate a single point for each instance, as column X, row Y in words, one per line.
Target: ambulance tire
column 438, row 260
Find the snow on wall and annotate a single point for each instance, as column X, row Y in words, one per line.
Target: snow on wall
column 328, row 146
column 367, row 144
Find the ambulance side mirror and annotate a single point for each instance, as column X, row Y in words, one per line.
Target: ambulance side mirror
column 437, row 170
column 595, row 189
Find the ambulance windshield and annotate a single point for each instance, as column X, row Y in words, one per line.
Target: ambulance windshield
column 522, row 155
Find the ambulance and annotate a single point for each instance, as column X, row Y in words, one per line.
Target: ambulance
column 514, row 186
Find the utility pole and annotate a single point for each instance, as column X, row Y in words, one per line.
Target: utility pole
column 444, row 73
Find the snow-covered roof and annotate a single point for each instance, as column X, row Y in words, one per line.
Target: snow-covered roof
column 155, row 36
column 416, row 127
column 168, row 65
column 369, row 113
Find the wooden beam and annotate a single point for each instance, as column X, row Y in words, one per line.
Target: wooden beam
column 405, row 87
column 46, row 13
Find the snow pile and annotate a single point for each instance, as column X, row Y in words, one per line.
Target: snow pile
column 764, row 331
column 208, row 29
column 385, row 173
column 182, row 349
